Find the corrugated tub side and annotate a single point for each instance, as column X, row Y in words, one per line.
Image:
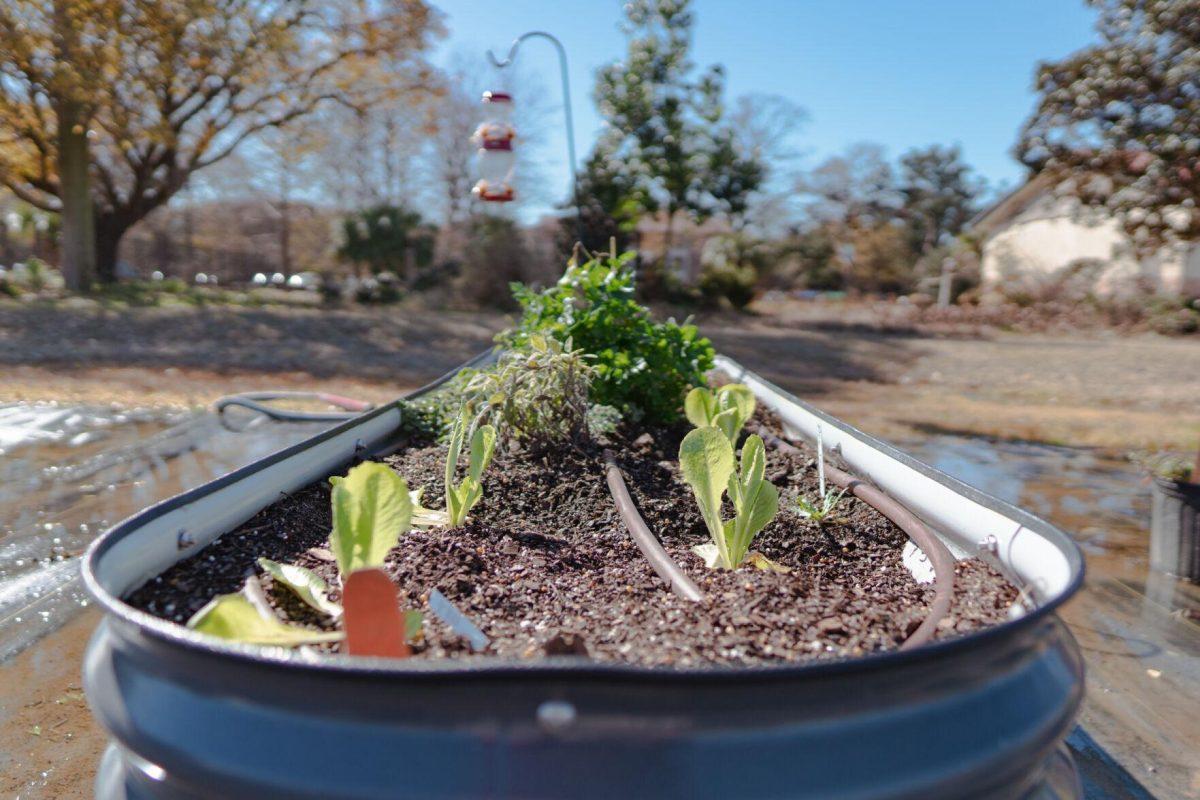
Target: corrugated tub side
column 979, row 716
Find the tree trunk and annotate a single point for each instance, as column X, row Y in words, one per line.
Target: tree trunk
column 78, row 217
column 669, row 236
column 77, row 259
column 6, row 254
column 107, row 241
column 285, row 237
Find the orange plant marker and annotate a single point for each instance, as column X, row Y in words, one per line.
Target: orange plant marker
column 372, row 618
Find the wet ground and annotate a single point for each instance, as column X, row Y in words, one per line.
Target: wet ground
column 68, row 472
column 1137, row 628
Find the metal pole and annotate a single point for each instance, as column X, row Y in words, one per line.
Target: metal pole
column 566, row 90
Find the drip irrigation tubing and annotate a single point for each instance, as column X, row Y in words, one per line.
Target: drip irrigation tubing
column 922, row 537
column 670, row 571
column 257, row 401
column 663, row 564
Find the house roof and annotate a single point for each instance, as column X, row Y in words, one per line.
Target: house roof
column 1010, row 205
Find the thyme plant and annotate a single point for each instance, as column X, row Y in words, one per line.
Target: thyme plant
column 538, row 395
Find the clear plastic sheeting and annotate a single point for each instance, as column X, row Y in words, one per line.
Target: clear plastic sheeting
column 69, row 472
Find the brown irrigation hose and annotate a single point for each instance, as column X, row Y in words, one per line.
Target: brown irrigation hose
column 662, row 563
column 931, row 546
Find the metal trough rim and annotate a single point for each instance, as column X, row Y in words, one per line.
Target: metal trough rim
column 565, row 667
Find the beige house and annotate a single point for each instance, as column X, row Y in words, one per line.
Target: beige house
column 1033, row 238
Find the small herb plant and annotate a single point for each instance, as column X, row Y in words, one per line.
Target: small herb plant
column 372, row 506
column 641, row 367
column 819, row 511
column 707, row 462
column 538, row 394
column 462, row 497
column 727, row 409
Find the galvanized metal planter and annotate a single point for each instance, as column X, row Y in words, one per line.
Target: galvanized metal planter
column 979, row 716
column 1175, row 528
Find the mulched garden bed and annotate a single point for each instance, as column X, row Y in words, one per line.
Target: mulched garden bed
column 545, row 566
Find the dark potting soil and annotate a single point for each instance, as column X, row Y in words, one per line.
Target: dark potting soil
column 545, row 566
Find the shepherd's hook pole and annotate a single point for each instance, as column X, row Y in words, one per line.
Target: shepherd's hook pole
column 566, row 89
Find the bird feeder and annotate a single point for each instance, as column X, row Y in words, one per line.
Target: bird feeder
column 494, row 138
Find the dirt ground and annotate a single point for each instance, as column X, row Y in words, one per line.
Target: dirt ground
column 1092, row 388
column 898, row 381
column 49, row 743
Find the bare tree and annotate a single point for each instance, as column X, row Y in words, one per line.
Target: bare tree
column 857, row 189
column 765, row 128
column 107, row 107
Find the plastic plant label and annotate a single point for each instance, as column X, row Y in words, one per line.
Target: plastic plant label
column 374, row 624
column 917, row 563
column 444, row 610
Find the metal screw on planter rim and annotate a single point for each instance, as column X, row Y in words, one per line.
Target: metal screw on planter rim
column 184, row 540
column 556, row 715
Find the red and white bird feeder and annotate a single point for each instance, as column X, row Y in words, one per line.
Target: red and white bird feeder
column 494, row 138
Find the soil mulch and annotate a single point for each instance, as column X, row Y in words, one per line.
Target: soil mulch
column 545, row 567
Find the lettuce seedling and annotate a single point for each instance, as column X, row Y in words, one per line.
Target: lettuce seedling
column 305, row 584
column 233, row 616
column 371, row 508
column 727, row 409
column 707, row 462
column 461, row 498
column 423, row 517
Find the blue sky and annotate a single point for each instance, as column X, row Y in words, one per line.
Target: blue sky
column 903, row 73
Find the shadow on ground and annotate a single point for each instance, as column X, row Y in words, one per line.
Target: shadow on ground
column 814, row 359
column 378, row 344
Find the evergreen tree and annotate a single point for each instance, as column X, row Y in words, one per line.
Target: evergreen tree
column 1118, row 123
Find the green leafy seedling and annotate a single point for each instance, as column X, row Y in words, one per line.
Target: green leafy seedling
column 305, row 584
column 234, row 617
column 727, row 409
column 820, row 510
column 462, row 497
column 707, row 462
column 371, row 508
column 423, row 517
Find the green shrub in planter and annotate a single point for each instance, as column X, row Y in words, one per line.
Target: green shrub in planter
column 642, row 368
